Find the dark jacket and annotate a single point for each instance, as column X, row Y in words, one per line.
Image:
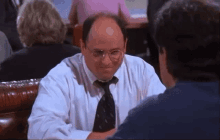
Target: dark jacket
column 5, row 47
column 190, row 110
column 35, row 62
column 8, row 12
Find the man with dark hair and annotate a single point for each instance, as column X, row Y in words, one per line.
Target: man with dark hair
column 187, row 34
column 153, row 6
column 89, row 94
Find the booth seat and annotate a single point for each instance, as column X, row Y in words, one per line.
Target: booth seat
column 16, row 100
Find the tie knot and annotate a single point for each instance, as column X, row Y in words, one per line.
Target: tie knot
column 105, row 85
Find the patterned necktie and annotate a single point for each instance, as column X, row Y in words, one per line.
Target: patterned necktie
column 105, row 113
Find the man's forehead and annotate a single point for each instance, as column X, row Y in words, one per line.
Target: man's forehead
column 109, row 31
column 105, row 27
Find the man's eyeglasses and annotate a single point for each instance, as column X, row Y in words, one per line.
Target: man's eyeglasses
column 114, row 55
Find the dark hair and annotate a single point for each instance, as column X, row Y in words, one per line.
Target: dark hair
column 90, row 21
column 189, row 32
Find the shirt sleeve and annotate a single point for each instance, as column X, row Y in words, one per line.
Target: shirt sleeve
column 50, row 113
column 152, row 84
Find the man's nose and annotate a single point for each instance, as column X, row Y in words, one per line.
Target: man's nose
column 106, row 59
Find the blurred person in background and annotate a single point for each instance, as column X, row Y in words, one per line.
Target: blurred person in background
column 5, row 47
column 42, row 31
column 8, row 14
column 82, row 9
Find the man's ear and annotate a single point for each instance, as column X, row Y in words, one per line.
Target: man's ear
column 125, row 46
column 163, row 55
column 82, row 46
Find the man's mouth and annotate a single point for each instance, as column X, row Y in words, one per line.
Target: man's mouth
column 106, row 68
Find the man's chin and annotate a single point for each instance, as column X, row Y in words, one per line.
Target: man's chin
column 105, row 78
column 106, row 70
column 105, row 75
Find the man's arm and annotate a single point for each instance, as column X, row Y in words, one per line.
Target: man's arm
column 50, row 112
column 127, row 129
column 104, row 135
column 151, row 84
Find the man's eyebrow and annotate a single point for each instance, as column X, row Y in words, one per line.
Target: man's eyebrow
column 114, row 49
column 95, row 49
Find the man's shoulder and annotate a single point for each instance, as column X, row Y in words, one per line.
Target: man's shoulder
column 176, row 98
column 67, row 67
column 136, row 63
column 2, row 36
column 150, row 101
column 134, row 60
column 16, row 58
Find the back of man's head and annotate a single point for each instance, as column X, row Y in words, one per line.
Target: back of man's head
column 189, row 32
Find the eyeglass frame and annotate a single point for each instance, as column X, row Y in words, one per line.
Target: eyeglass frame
column 104, row 54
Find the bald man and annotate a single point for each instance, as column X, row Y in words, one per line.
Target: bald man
column 88, row 95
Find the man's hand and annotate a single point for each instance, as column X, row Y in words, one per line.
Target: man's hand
column 99, row 135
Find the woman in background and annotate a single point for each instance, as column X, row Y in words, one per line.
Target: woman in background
column 82, row 9
column 42, row 31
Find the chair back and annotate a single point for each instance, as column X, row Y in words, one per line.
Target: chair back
column 77, row 35
column 16, row 100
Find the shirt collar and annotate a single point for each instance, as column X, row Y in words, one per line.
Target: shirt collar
column 90, row 75
column 119, row 72
column 93, row 78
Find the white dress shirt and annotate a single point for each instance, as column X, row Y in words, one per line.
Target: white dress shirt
column 67, row 99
